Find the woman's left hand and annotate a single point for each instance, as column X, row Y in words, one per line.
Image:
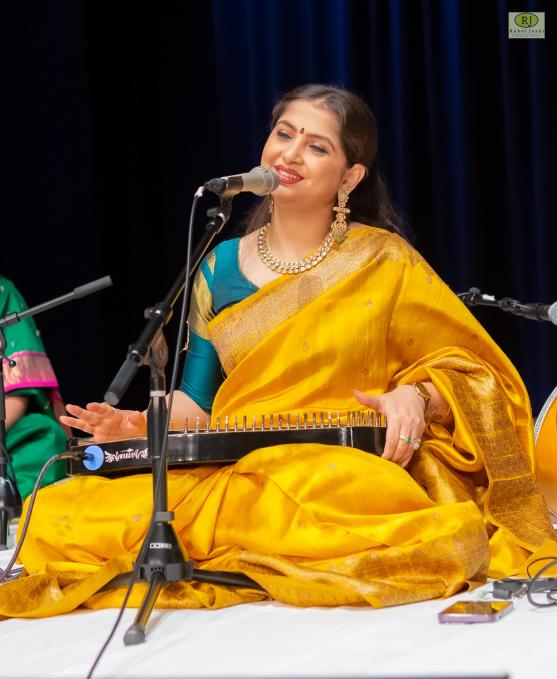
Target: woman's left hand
column 404, row 409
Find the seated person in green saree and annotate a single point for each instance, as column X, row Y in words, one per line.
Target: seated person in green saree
column 33, row 401
column 302, row 315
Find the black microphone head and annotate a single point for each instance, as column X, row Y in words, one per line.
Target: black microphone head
column 217, row 185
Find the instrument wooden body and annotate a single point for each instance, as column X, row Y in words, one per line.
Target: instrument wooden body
column 225, row 446
column 545, row 434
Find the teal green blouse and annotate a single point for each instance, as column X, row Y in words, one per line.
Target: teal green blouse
column 218, row 284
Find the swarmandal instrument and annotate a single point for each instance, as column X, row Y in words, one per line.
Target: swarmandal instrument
column 225, row 442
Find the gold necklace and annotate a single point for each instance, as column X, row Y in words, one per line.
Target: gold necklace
column 304, row 264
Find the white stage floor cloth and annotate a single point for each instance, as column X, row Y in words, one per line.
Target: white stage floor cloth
column 275, row 640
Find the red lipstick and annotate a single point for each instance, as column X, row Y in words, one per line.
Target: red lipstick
column 287, row 175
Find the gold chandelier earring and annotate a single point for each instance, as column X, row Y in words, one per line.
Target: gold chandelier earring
column 270, row 207
column 339, row 227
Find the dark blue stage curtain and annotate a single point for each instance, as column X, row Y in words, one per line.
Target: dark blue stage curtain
column 466, row 141
column 117, row 111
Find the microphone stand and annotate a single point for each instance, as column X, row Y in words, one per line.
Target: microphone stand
column 161, row 557
column 10, row 498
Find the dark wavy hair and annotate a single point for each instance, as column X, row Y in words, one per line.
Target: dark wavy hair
column 370, row 202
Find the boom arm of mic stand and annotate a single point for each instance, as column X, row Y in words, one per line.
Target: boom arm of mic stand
column 81, row 291
column 160, row 314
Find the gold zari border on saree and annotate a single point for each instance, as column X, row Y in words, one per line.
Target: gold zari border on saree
column 239, row 329
column 514, row 498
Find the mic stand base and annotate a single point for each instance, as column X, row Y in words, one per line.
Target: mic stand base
column 164, row 563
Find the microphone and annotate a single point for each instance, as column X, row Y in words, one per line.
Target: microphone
column 260, row 180
column 534, row 311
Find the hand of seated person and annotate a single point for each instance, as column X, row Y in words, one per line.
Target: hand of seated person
column 404, row 410
column 104, row 422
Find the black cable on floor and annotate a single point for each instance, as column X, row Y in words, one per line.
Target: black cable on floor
column 550, row 592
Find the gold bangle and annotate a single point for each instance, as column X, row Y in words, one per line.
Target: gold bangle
column 423, row 392
column 444, row 416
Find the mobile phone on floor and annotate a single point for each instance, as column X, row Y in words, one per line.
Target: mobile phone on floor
column 475, row 611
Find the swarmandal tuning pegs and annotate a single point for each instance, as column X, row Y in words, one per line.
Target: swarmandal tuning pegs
column 313, row 420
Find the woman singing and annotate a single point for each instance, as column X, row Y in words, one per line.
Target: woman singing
column 321, row 306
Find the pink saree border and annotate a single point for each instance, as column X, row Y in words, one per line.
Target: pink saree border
column 32, row 370
column 31, row 384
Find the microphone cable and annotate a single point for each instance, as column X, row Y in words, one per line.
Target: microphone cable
column 55, row 458
column 173, row 380
column 535, row 583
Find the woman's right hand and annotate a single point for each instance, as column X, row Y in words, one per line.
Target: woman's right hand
column 105, row 422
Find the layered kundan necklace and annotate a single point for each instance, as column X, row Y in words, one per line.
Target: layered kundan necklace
column 279, row 265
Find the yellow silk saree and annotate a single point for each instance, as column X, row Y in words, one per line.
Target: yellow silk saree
column 315, row 524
